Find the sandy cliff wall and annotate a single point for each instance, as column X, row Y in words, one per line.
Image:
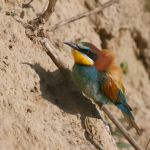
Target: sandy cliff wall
column 39, row 108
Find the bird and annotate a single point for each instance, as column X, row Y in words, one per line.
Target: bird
column 96, row 73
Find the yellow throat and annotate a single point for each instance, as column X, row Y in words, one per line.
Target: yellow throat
column 81, row 58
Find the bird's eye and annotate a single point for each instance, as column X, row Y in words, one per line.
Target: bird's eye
column 87, row 51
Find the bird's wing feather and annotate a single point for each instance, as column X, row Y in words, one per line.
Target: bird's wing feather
column 113, row 92
column 116, row 96
column 108, row 86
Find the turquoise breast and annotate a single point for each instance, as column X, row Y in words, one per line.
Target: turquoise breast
column 86, row 79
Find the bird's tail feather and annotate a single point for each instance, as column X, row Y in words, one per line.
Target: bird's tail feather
column 131, row 122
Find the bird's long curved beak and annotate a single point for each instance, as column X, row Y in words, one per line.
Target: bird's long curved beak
column 73, row 45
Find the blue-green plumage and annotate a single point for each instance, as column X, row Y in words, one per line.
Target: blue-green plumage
column 90, row 81
column 122, row 104
column 86, row 78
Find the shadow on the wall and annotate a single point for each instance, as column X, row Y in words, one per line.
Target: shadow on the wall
column 58, row 90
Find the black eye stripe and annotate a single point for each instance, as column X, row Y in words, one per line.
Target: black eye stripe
column 86, row 51
column 89, row 54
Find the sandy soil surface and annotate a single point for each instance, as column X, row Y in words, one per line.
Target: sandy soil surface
column 39, row 107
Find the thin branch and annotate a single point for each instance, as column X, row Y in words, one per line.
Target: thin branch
column 64, row 69
column 55, row 58
column 121, row 128
column 147, row 144
column 27, row 5
column 48, row 10
column 80, row 16
column 46, row 13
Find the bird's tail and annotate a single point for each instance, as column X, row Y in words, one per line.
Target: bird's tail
column 131, row 122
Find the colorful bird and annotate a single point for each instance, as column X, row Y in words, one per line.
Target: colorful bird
column 99, row 77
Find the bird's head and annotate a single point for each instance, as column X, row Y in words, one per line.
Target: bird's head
column 87, row 54
column 83, row 53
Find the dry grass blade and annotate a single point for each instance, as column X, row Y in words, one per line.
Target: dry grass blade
column 46, row 13
column 65, row 70
column 80, row 16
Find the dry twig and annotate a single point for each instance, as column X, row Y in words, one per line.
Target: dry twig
column 27, row 5
column 46, row 13
column 147, row 144
column 63, row 68
column 55, row 58
column 80, row 16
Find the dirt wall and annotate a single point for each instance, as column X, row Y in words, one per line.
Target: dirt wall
column 39, row 107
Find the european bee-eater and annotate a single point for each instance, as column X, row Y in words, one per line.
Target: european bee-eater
column 99, row 77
